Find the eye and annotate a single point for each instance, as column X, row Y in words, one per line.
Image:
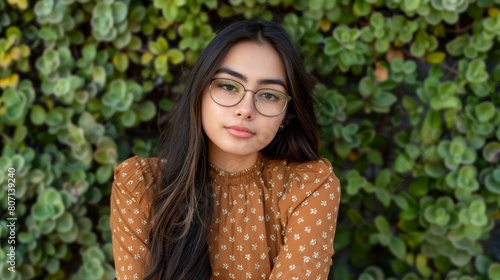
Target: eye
column 227, row 86
column 270, row 96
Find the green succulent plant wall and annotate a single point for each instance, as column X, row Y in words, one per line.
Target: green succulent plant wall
column 408, row 107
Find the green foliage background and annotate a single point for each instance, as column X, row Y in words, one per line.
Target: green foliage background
column 409, row 115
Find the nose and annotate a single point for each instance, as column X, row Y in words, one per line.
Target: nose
column 246, row 108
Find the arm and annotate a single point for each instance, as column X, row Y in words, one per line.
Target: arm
column 129, row 218
column 309, row 210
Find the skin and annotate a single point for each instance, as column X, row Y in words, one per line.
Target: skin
column 254, row 65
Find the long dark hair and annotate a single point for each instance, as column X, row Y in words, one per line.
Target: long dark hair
column 182, row 207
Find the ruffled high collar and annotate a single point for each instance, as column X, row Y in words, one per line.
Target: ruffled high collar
column 231, row 179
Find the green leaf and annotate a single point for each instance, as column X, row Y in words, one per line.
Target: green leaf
column 129, row 118
column 461, row 258
column 120, row 61
column 120, row 10
column 382, row 45
column 442, row 263
column 70, row 236
column 41, row 212
column 456, row 46
column 375, row 157
column 137, row 14
column 47, row 226
column 449, row 17
column 171, row 12
column 124, row 40
column 360, row 7
column 65, row 222
column 415, row 237
column 399, row 267
column 384, row 99
column 420, row 186
column 485, row 111
column 165, row 104
column 409, row 214
column 161, row 64
column 446, row 103
column 403, row 164
column 104, row 156
column 355, row 217
column 431, row 128
column 492, row 181
column 43, row 8
column 20, row 134
column 186, row 29
column 53, row 198
column 118, row 87
column 11, row 97
column 18, row 161
column 52, row 265
column 494, row 271
column 155, row 48
column 435, row 57
column 313, row 5
column 411, row 5
column 476, row 72
column 99, row 76
column 422, row 266
column 397, row 247
column 447, row 89
column 62, row 87
column 382, row 225
column 482, row 263
column 377, row 20
column 163, row 44
column 25, row 237
column 47, row 34
column 400, row 201
column 146, row 58
column 491, row 152
column 89, row 52
column 158, row 3
column 146, row 111
column 104, row 173
column 383, row 196
column 175, row 56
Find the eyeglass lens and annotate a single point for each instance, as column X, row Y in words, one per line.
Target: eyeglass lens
column 268, row 102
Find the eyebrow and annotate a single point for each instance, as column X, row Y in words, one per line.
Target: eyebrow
column 244, row 78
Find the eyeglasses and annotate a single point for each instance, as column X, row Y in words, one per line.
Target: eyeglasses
column 228, row 93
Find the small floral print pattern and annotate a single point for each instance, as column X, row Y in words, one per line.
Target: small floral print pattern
column 275, row 220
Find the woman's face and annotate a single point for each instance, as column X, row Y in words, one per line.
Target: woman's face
column 241, row 131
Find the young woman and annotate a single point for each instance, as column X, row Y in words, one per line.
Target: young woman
column 238, row 190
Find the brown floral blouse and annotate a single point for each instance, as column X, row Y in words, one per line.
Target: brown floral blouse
column 275, row 220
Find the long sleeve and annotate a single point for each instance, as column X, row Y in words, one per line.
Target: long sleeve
column 309, row 208
column 129, row 219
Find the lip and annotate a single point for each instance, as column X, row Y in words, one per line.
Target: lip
column 240, row 131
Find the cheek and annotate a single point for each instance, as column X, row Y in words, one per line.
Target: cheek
column 272, row 127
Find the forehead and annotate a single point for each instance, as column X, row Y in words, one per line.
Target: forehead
column 255, row 61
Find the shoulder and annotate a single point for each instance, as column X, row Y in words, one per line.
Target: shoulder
column 310, row 171
column 313, row 173
column 321, row 166
column 135, row 176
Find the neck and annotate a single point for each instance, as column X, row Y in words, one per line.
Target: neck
column 232, row 163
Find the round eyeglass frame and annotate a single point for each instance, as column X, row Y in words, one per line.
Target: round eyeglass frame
column 287, row 97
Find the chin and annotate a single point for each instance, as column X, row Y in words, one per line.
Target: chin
column 240, row 152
